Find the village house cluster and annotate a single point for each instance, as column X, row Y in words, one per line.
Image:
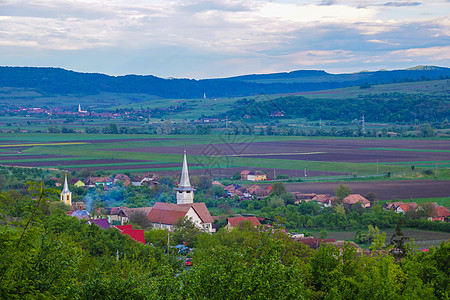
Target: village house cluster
column 166, row 215
column 436, row 212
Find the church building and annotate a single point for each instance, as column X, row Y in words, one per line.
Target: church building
column 165, row 215
column 66, row 195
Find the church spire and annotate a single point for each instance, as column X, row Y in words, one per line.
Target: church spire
column 66, row 195
column 66, row 186
column 185, row 192
column 184, row 181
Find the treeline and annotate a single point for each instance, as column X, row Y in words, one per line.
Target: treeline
column 46, row 254
column 57, row 81
column 390, row 108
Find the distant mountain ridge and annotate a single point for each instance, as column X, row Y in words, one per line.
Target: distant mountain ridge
column 57, row 81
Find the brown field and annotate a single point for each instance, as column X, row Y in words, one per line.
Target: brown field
column 333, row 150
column 40, row 156
column 384, row 190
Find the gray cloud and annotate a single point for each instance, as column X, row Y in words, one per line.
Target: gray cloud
column 214, row 39
column 402, row 3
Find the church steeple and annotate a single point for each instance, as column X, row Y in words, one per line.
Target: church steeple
column 66, row 195
column 185, row 192
column 184, row 181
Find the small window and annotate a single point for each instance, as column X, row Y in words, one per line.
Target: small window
column 188, row 192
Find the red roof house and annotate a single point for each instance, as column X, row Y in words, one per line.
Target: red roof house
column 165, row 215
column 355, row 198
column 440, row 214
column 235, row 221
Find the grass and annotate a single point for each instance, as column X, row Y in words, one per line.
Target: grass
column 442, row 201
column 412, row 150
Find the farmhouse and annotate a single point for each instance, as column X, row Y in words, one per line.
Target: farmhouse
column 235, row 221
column 258, row 192
column 122, row 178
column 355, row 198
column 300, row 197
column 253, row 175
column 440, row 214
column 166, row 215
column 96, row 181
column 405, row 207
column 324, row 199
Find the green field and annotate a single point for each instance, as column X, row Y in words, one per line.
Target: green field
column 110, row 147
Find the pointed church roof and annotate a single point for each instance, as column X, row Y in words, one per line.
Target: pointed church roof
column 66, row 186
column 184, row 181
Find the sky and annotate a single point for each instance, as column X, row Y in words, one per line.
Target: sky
column 222, row 38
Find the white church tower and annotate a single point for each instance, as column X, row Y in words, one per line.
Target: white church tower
column 66, row 195
column 185, row 192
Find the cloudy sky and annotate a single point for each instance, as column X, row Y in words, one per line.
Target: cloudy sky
column 220, row 38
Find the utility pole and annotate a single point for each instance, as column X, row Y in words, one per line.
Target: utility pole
column 168, row 242
column 435, row 172
column 363, row 126
column 377, row 166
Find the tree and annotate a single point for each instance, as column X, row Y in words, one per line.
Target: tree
column 342, row 191
column 427, row 131
column 276, row 202
column 140, row 218
column 398, row 240
column 278, row 188
column 186, row 232
column 323, row 234
column 288, row 198
column 371, row 196
column 112, row 129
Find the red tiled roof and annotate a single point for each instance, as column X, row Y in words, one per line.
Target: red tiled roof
column 323, row 198
column 116, row 210
column 355, row 198
column 441, row 212
column 217, row 183
column 236, row 220
column 245, row 172
column 169, row 213
column 124, row 227
column 135, row 234
column 405, row 207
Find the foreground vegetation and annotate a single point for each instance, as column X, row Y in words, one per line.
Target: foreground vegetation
column 46, row 254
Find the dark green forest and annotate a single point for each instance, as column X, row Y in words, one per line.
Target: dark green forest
column 56, row 81
column 392, row 107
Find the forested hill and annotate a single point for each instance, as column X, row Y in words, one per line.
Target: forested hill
column 56, row 81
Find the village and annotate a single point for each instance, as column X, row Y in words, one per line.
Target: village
column 166, row 216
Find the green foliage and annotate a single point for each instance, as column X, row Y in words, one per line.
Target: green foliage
column 186, row 232
column 342, row 191
column 278, row 188
column 367, row 237
column 382, row 107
